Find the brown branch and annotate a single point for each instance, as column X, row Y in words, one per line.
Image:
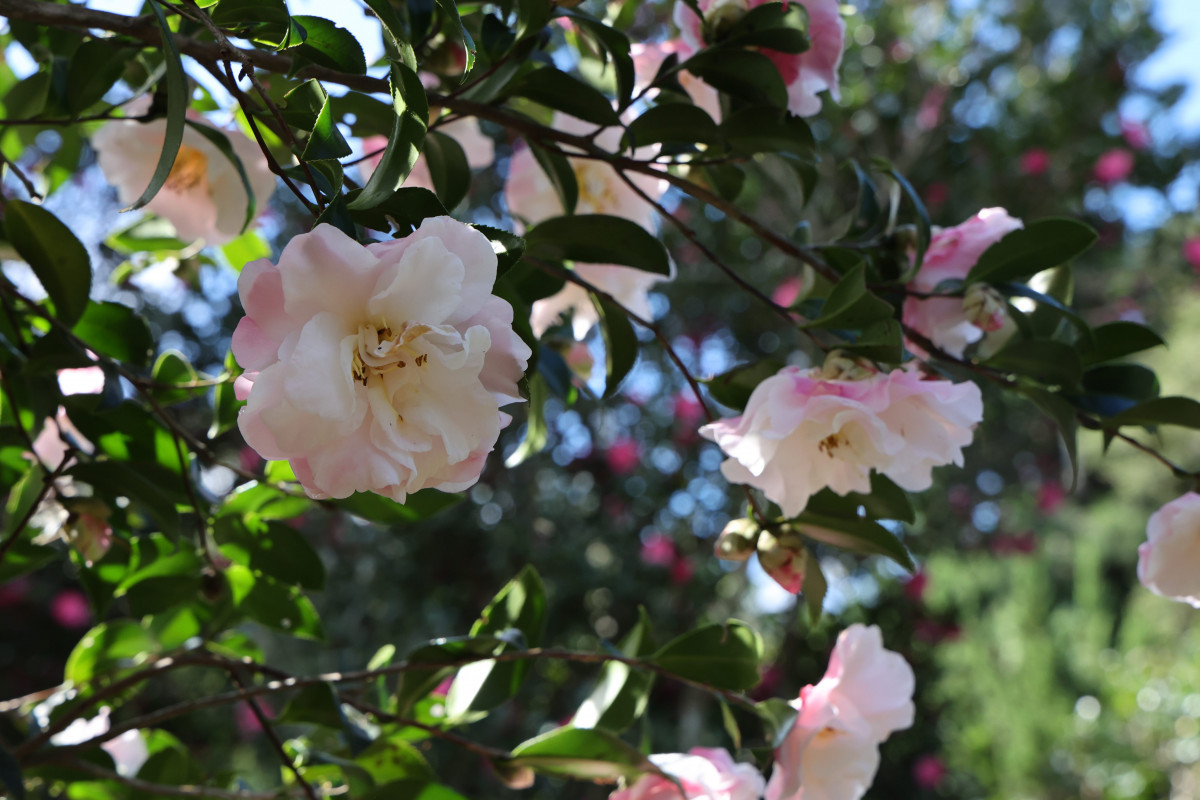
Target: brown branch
column 166, row 789
column 273, row 736
column 21, row 176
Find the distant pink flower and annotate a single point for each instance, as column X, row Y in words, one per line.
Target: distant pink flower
column 936, row 194
column 1135, row 133
column 69, row 608
column 951, row 255
column 623, row 456
column 381, row 367
column 1167, row 559
column 246, row 722
column 705, row 773
column 687, row 409
column 648, row 57
column 929, row 113
column 805, row 74
column 787, row 291
column 1113, row 166
column 832, row 752
column 914, row 587
column 1191, row 251
column 1035, row 161
column 478, row 148
column 1050, row 497
column 658, row 549
column 682, row 570
column 443, row 688
column 928, row 771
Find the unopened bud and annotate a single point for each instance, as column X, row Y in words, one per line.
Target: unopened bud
column 722, row 15
column 784, row 557
column 841, row 366
column 984, row 307
column 738, row 540
column 514, row 776
column 87, row 527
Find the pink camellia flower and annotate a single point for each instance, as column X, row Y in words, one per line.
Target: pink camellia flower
column 952, row 253
column 379, row 368
column 1135, row 133
column 69, row 608
column 1191, row 251
column 1113, row 166
column 658, row 549
column 204, row 197
column 805, row 74
column 530, row 195
column 1035, row 161
column 623, row 456
column 479, row 149
column 787, row 292
column 928, row 771
column 706, row 773
column 832, row 752
column 807, row 429
column 1167, row 559
column 648, row 58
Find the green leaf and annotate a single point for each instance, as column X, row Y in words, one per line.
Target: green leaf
column 450, row 9
column 104, row 647
column 56, row 257
column 220, row 141
column 561, row 175
column 885, row 501
column 582, row 754
column 406, row 208
column 621, row 692
column 120, row 479
column 307, row 108
column 558, row 90
column 1181, row 411
column 272, row 548
column 620, row 344
column 856, row 535
column 778, row 718
column 679, row 123
column 1029, row 250
column 850, row 305
column 390, row 758
column 172, row 369
column 448, row 168
column 21, row 499
column 396, row 41
column 225, row 402
column 598, row 239
column 1047, row 361
column 263, row 21
column 881, row 341
column 95, row 66
column 1132, row 381
column 417, row 506
column 765, row 129
column 329, row 45
column 536, row 431
column 722, row 656
column 520, row 605
column 726, row 179
column 260, row 501
column 616, row 46
column 744, row 74
column 417, row 682
column 404, row 143
column 317, row 704
column 774, row 26
column 412, row 789
column 116, row 331
column 264, row 600
column 815, row 587
column 1064, row 416
column 1119, row 339
column 177, row 101
column 924, row 225
column 733, row 388
column 508, row 247
column 149, row 234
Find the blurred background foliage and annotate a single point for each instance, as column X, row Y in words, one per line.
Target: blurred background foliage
column 1044, row 670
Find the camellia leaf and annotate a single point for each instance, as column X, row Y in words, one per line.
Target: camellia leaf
column 536, row 431
column 555, row 89
column 620, row 343
column 778, row 718
column 329, row 45
column 450, row 9
column 581, row 753
column 815, row 587
column 116, row 331
column 177, row 100
column 739, row 73
column 722, row 656
column 615, row 44
column 404, row 143
column 417, row 681
column 448, row 168
column 850, row 305
column 225, row 402
column 560, row 174
column 672, row 122
column 1181, row 411
column 170, row 370
column 765, row 129
column 856, row 535
column 621, row 692
column 733, row 388
column 1050, row 362
column 774, row 26
column 56, row 257
column 1038, row 246
column 307, row 108
column 1119, row 339
column 598, row 239
column 95, row 66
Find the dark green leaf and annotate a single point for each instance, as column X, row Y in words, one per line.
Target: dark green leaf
column 850, row 305
column 923, row 223
column 1049, row 362
column 508, row 247
column 598, row 239
column 622, row 692
column 448, row 168
column 307, row 108
column 56, row 257
column 272, row 604
column 561, row 175
column 774, row 26
column 672, row 122
column 317, row 704
column 815, row 587
column 1118, row 339
column 722, row 656
column 1181, row 411
column 412, row 789
column 225, row 402
column 417, row 506
column 148, row 234
column 116, row 331
column 104, row 647
column 272, row 548
column 763, row 129
column 536, row 432
column 1131, row 381
column 417, row 682
column 264, row 21
column 620, row 343
column 726, row 179
column 404, row 143
column 450, row 9
column 558, row 90
column 778, row 717
column 885, row 501
column 582, row 754
column 881, row 341
column 733, row 388
column 170, row 370
column 1036, row 247
column 856, row 535
column 329, row 45
column 95, row 66
column 743, row 74
column 177, row 101
column 1064, row 416
column 615, row 44
column 25, row 493
column 120, row 479
column 407, row 207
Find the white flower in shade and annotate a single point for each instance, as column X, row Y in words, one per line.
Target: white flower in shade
column 705, row 773
column 128, row 751
column 832, row 752
column 648, row 58
column 479, row 149
column 203, row 197
column 531, row 196
column 379, row 368
column 805, row 74
column 1168, row 559
column 952, row 323
column 807, row 429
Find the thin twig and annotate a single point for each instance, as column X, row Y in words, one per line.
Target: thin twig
column 47, row 485
column 166, row 789
column 21, row 176
column 273, row 736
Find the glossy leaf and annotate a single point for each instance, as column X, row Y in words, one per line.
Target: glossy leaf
column 733, row 388
column 621, row 692
column 1181, row 411
column 598, row 239
column 1038, row 246
column 778, row 718
column 582, row 754
column 105, row 646
column 744, row 74
column 272, row 604
column 620, row 344
column 328, row 44
column 448, row 168
column 1049, row 362
column 672, row 122
column 264, row 21
column 404, row 142
column 536, row 432
column 417, row 681
column 856, row 535
column 272, row 548
column 615, row 45
column 763, row 129
column 561, row 175
column 171, row 369
column 773, row 26
column 56, row 257
column 1119, row 339
column 95, row 66
column 417, row 506
column 307, row 108
column 116, row 331
column 558, row 90
column 850, row 305
column 225, row 402
column 508, row 247
column 722, row 656
column 450, row 9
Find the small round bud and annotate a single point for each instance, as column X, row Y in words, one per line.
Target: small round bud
column 984, row 307
column 722, row 15
column 513, row 776
column 738, row 540
column 784, row 557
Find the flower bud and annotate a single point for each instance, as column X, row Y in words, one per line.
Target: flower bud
column 513, row 776
column 783, row 556
column 842, row 366
column 722, row 15
column 984, row 307
column 738, row 540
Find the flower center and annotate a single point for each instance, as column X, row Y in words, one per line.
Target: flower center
column 189, row 171
column 831, row 443
column 380, row 350
column 595, row 186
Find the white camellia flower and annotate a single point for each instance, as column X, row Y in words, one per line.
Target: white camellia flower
column 1167, row 559
column 832, row 752
column 379, row 368
column 128, row 751
column 705, row 773
column 203, row 197
column 807, row 429
column 531, row 196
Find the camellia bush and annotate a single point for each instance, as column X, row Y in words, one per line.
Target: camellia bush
column 463, row 268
